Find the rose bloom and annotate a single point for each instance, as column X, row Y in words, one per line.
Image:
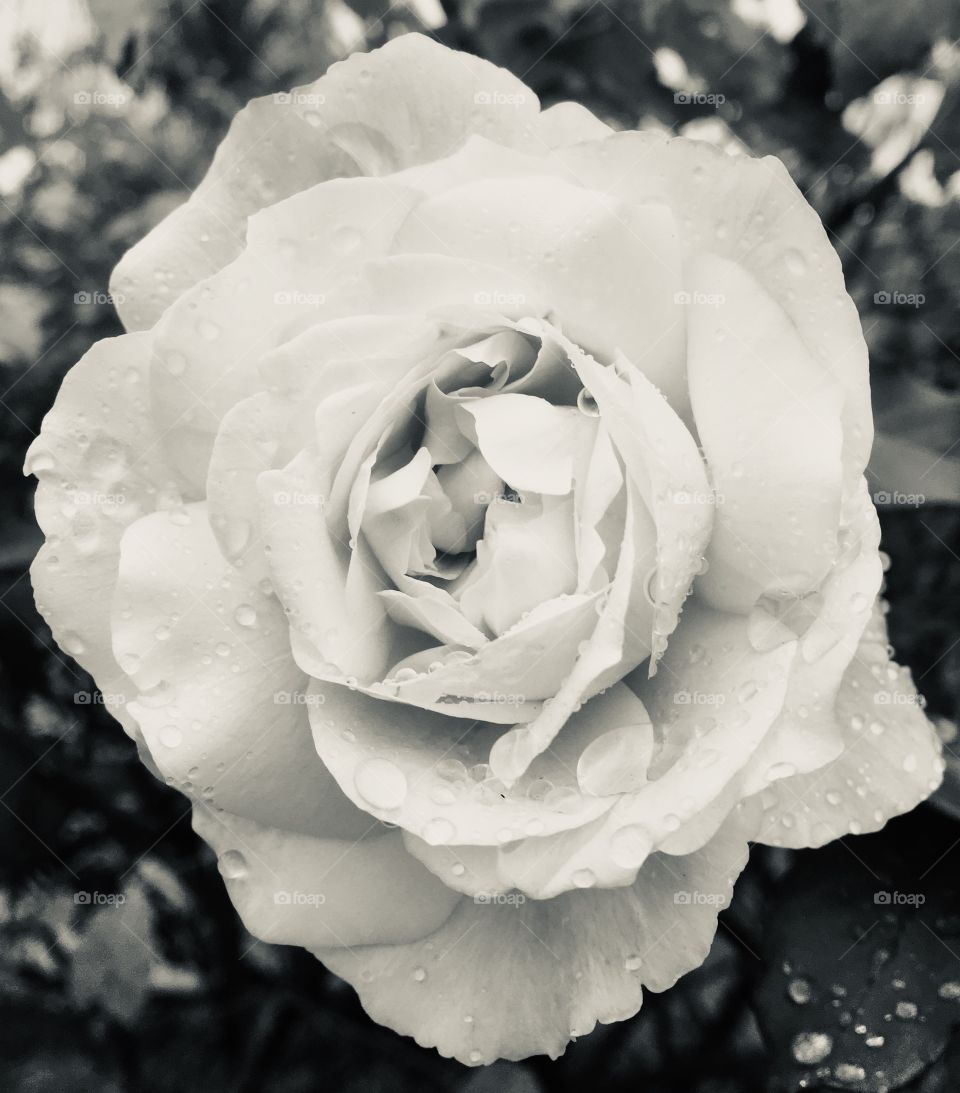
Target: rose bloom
column 472, row 524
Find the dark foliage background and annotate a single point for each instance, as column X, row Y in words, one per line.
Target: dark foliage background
column 165, row 991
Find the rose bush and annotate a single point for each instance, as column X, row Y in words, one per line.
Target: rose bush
column 472, row 524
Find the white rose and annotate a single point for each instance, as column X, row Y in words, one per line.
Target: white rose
column 498, row 477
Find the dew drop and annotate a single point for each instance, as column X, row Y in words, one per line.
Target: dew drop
column 232, row 865
column 245, row 615
column 810, row 1048
column 381, row 784
column 438, row 831
column 629, row 846
column 171, row 736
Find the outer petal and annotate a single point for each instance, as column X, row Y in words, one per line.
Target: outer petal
column 222, row 703
column 99, row 468
column 610, row 270
column 428, row 773
column 706, row 738
column 769, row 418
column 410, row 102
column 570, row 123
column 209, row 344
column 890, row 761
column 266, row 430
column 292, row 889
column 749, row 211
column 509, row 979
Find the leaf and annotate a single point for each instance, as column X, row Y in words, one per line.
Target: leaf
column 862, row 985
column 915, row 453
column 868, row 42
column 111, row 966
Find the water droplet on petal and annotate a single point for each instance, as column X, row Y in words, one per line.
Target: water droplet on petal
column 438, row 831
column 630, row 845
column 381, row 784
column 810, row 1048
column 245, row 615
column 232, row 865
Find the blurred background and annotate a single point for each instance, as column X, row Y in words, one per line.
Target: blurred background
column 122, row 964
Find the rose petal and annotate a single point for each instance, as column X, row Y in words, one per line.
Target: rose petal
column 569, row 123
column 295, row 889
column 281, row 145
column 531, row 444
column 556, row 967
column 662, row 461
column 890, row 760
column 706, row 737
column 210, row 342
column 349, row 364
column 769, row 419
column 99, row 468
column 526, row 558
column 748, row 211
column 221, row 701
column 610, row 270
column 428, row 773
